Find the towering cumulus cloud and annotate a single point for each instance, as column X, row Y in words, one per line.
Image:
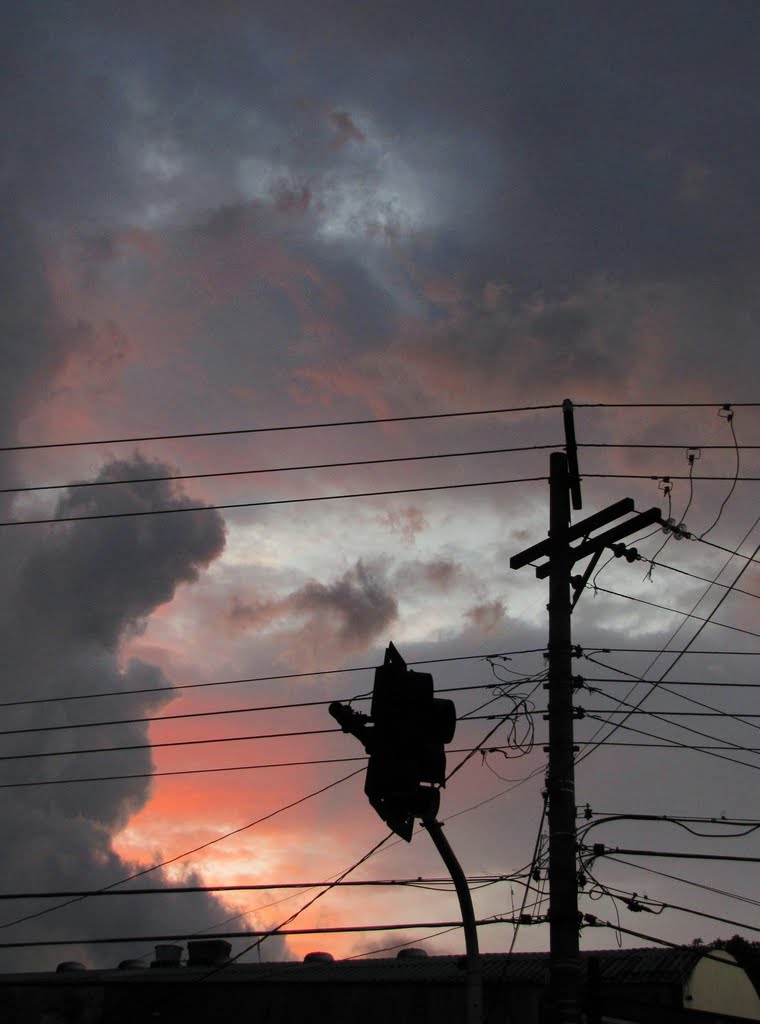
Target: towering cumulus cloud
column 71, row 594
column 76, row 594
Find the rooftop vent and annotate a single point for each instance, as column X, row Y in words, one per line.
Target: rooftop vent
column 208, row 952
column 167, row 955
column 69, row 965
column 318, row 957
column 411, row 953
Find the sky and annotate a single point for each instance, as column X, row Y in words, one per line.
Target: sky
column 226, row 226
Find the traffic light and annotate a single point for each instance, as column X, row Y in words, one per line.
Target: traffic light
column 404, row 735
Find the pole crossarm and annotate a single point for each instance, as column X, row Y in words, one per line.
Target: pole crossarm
column 574, row 532
column 603, row 540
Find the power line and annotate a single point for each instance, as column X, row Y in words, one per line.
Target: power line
column 211, row 714
column 52, row 520
column 687, row 881
column 676, row 611
column 369, row 422
column 712, row 751
column 250, row 933
column 679, row 855
column 260, row 679
column 702, row 579
column 723, row 683
column 729, row 417
column 662, row 405
column 183, row 771
column 173, row 743
column 647, row 904
column 271, row 469
column 193, row 743
column 195, row 849
column 258, row 886
column 353, row 463
column 739, row 716
column 672, row 476
column 674, row 447
column 197, row 771
column 654, row 683
column 264, row 504
column 278, row 429
column 634, row 708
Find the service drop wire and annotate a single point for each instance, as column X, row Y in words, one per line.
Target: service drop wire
column 748, row 560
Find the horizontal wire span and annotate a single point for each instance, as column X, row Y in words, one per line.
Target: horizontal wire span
column 376, row 420
column 229, row 506
column 278, row 429
column 206, row 771
column 75, row 485
column 50, row 520
column 353, row 463
column 199, row 742
column 212, row 714
column 253, row 887
column 168, row 690
column 251, row 933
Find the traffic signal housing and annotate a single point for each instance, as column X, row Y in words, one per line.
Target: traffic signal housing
column 404, row 736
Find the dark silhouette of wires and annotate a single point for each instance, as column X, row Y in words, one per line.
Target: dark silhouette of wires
column 729, row 417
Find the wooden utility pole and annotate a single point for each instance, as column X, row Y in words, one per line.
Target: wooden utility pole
column 566, row 969
column 560, row 778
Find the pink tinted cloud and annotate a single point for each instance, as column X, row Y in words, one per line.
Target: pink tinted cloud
column 406, row 522
column 486, row 618
column 344, row 127
column 345, row 614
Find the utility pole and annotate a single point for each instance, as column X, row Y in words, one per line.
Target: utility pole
column 566, row 969
column 560, row 777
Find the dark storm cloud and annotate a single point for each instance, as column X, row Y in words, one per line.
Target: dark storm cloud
column 105, row 576
column 77, row 593
column 350, row 612
column 34, row 339
column 569, row 144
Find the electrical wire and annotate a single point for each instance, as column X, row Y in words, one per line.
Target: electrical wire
column 675, row 611
column 256, row 679
column 175, row 477
column 209, row 714
column 746, row 825
column 730, row 420
column 198, row 771
column 727, row 684
column 654, row 683
column 172, row 743
column 743, row 719
column 433, row 884
column 687, row 881
column 278, row 429
column 694, row 748
column 195, row 849
column 694, row 576
column 365, row 422
column 533, row 867
column 691, row 457
column 262, row 935
column 278, row 929
column 89, row 517
column 646, row 904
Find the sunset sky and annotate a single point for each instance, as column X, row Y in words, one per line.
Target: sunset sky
column 267, row 240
